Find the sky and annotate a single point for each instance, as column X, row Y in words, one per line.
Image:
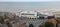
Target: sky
column 26, row 0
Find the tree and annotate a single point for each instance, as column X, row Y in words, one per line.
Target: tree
column 49, row 24
column 31, row 25
column 1, row 17
column 41, row 25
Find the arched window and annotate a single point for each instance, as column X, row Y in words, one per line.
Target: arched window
column 31, row 25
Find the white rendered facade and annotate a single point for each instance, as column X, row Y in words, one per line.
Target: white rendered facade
column 29, row 14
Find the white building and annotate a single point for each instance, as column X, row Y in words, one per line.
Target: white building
column 29, row 14
column 57, row 14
